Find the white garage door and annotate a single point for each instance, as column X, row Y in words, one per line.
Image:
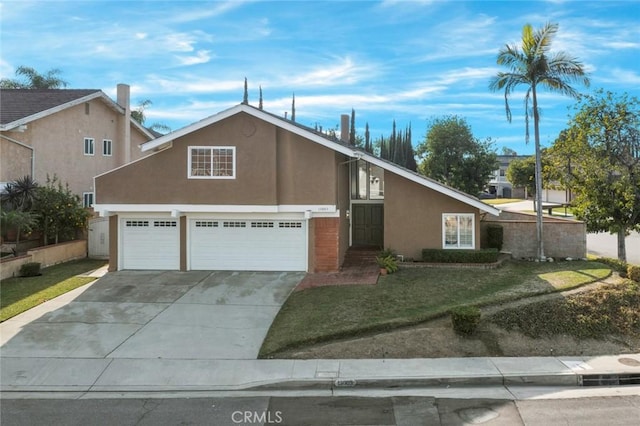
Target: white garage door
column 150, row 244
column 250, row 245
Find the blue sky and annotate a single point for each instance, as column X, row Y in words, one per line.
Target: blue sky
column 405, row 60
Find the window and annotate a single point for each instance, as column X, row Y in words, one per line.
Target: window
column 107, row 147
column 136, row 223
column 212, row 162
column 89, row 146
column 458, row 231
column 87, row 199
column 367, row 181
column 165, row 223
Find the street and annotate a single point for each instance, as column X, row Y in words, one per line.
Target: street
column 606, row 245
column 346, row 410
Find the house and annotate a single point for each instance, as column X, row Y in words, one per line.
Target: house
column 73, row 134
column 500, row 185
column 247, row 190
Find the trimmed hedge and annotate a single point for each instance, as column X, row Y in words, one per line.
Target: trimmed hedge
column 30, row 269
column 465, row 319
column 460, row 256
column 633, row 273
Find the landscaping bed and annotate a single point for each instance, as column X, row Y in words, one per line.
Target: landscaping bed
column 410, row 297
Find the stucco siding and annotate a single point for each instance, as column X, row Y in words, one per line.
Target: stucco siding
column 58, row 142
column 273, row 167
column 306, row 171
column 15, row 160
column 413, row 216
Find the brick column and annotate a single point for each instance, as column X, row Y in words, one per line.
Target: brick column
column 326, row 244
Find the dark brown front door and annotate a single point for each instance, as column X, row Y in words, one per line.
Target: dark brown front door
column 368, row 224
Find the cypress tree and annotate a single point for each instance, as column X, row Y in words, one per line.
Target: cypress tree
column 352, row 128
column 245, row 98
column 367, row 139
column 260, row 101
column 293, row 108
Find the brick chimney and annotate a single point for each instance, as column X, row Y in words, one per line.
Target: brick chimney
column 124, row 100
column 344, row 127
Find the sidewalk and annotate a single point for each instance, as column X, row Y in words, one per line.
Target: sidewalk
column 123, row 375
column 110, row 373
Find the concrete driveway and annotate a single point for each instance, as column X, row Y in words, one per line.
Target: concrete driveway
column 151, row 315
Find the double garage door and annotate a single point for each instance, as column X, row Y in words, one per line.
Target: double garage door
column 216, row 244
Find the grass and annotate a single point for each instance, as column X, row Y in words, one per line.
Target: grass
column 498, row 201
column 414, row 295
column 21, row 294
column 601, row 313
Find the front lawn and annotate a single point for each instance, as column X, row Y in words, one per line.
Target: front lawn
column 21, row 294
column 414, row 295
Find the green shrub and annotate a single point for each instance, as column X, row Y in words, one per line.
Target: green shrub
column 633, row 273
column 620, row 266
column 495, row 236
column 465, row 319
column 387, row 262
column 460, row 256
column 31, row 269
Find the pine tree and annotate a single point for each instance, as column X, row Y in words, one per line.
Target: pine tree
column 367, row 139
column 260, row 101
column 245, row 98
column 293, row 108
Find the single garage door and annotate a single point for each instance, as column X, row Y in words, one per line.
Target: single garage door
column 150, row 244
column 250, row 245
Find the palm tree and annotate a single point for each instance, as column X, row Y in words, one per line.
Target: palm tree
column 531, row 67
column 19, row 194
column 35, row 80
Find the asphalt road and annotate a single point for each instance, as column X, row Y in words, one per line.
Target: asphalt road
column 300, row 411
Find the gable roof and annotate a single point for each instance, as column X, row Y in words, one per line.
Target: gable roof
column 21, row 106
column 326, row 141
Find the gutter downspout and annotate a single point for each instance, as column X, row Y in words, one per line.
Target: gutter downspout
column 33, row 152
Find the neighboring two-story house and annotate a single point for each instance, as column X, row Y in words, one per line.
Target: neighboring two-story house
column 247, row 190
column 70, row 133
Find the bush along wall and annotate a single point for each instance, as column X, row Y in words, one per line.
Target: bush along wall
column 495, row 237
column 460, row 256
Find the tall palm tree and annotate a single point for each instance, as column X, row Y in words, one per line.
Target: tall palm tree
column 533, row 65
column 34, row 80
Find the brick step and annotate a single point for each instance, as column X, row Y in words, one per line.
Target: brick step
column 360, row 256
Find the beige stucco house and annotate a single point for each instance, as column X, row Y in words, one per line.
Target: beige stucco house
column 248, row 190
column 73, row 134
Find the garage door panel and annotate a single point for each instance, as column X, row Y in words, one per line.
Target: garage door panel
column 261, row 245
column 150, row 244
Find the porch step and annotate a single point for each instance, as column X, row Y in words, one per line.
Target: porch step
column 360, row 257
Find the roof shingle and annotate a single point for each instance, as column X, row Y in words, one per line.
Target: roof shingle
column 16, row 104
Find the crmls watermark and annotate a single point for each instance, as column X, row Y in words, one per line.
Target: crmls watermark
column 264, row 417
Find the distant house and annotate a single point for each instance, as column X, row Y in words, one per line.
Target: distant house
column 247, row 190
column 499, row 185
column 73, row 134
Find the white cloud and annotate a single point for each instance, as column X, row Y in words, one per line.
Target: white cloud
column 343, row 71
column 201, row 57
column 206, row 10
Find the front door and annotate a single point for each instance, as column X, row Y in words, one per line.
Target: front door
column 368, row 224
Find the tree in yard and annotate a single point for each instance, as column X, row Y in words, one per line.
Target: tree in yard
column 260, row 99
column 522, row 173
column 245, row 95
column 453, row 156
column 533, row 65
column 598, row 157
column 368, row 146
column 19, row 194
column 20, row 221
column 32, row 79
column 352, row 128
column 59, row 211
column 293, row 107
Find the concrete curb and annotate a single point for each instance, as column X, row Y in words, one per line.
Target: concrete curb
column 167, row 375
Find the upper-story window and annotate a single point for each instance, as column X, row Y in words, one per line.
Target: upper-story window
column 367, row 181
column 107, row 147
column 87, row 199
column 212, row 162
column 89, row 146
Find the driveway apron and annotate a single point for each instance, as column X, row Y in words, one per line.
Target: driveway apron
column 152, row 315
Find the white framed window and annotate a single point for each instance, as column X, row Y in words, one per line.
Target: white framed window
column 107, row 147
column 87, row 199
column 458, row 230
column 89, row 146
column 212, row 162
